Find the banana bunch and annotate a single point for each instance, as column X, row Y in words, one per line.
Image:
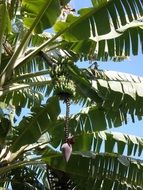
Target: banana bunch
column 63, row 86
column 58, row 70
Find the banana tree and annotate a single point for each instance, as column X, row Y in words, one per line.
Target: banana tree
column 40, row 45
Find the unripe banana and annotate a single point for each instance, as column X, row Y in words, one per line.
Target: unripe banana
column 63, row 86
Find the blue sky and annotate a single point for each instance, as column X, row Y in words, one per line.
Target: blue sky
column 133, row 66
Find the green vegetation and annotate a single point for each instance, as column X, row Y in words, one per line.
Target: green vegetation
column 40, row 45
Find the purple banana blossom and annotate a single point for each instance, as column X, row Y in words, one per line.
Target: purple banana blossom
column 66, row 150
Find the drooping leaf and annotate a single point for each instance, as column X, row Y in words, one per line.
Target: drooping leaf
column 31, row 9
column 26, row 92
column 101, row 168
column 5, row 25
column 115, row 39
column 83, row 84
column 41, row 120
column 108, row 142
column 120, row 91
column 90, row 19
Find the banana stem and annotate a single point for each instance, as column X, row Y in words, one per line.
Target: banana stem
column 67, row 101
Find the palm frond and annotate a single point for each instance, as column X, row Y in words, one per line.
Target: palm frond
column 125, row 91
column 113, row 142
column 41, row 120
column 103, row 170
column 48, row 18
column 35, row 65
column 116, row 95
column 117, row 16
column 7, row 71
column 95, row 119
column 22, row 179
column 27, row 89
column 59, row 179
column 5, row 27
column 88, row 140
column 120, row 35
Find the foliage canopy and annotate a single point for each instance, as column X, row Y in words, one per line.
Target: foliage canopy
column 41, row 43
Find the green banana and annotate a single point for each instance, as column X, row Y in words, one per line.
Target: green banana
column 63, row 86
